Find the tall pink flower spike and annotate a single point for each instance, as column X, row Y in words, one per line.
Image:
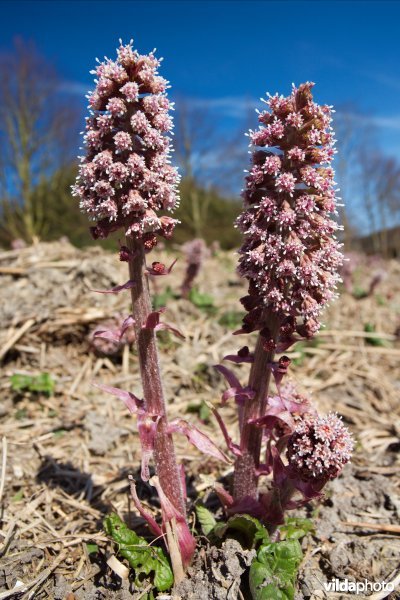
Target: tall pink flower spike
column 290, row 254
column 126, row 182
column 125, row 178
column 291, row 258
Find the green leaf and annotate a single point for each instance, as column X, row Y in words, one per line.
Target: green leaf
column 18, row 496
column 42, row 383
column 273, row 572
column 373, row 341
column 201, row 409
column 359, row 293
column 200, row 300
column 20, row 382
column 144, row 559
column 206, row 519
column 231, row 319
column 59, row 433
column 20, row 414
column 295, row 528
column 160, row 300
column 380, row 300
column 92, row 548
column 244, row 528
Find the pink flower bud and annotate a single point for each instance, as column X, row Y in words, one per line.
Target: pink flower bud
column 319, row 447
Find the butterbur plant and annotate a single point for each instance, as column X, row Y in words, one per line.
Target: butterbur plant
column 126, row 182
column 290, row 257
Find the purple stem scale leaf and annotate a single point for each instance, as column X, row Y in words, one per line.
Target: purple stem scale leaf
column 116, row 289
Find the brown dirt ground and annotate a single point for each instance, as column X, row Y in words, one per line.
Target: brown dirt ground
column 65, row 458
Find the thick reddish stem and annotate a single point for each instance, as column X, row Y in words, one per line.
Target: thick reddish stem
column 164, row 451
column 245, row 478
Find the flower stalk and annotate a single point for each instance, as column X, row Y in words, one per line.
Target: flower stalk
column 245, row 482
column 146, row 344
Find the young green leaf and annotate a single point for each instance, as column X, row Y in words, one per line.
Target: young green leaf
column 92, row 548
column 231, row 319
column 295, row 528
column 202, row 301
column 206, row 519
column 273, row 572
column 144, row 559
column 244, row 528
column 373, row 341
column 160, row 300
column 42, row 383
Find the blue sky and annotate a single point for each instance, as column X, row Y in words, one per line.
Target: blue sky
column 219, row 51
column 226, row 54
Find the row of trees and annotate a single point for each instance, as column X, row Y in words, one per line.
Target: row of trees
column 39, row 125
column 370, row 185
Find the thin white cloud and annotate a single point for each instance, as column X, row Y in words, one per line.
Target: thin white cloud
column 391, row 122
column 381, row 78
column 75, row 88
column 230, row 106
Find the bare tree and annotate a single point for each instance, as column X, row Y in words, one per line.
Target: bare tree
column 210, row 157
column 381, row 177
column 369, row 180
column 356, row 139
column 38, row 129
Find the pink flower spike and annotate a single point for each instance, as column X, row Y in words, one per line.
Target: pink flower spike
column 158, row 269
column 200, row 440
column 118, row 288
column 153, row 322
column 289, row 254
column 186, row 541
column 318, row 448
column 152, row 523
column 132, row 402
column 128, row 147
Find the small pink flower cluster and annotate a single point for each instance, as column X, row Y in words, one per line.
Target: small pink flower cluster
column 319, row 447
column 290, row 254
column 126, row 177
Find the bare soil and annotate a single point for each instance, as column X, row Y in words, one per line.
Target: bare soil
column 66, row 457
